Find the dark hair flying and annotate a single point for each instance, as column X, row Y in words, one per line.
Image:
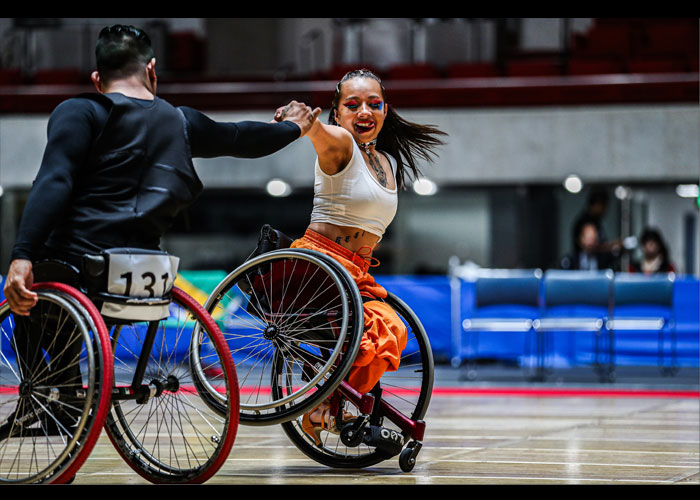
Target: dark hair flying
column 403, row 140
column 122, row 51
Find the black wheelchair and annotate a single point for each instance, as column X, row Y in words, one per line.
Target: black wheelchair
column 137, row 370
column 293, row 320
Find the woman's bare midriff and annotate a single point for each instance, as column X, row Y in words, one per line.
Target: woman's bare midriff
column 352, row 238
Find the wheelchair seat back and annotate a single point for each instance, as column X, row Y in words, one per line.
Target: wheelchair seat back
column 294, row 286
column 126, row 284
column 303, row 286
column 270, row 239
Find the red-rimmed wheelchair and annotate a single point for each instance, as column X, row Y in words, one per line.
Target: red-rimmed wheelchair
column 67, row 371
column 293, row 319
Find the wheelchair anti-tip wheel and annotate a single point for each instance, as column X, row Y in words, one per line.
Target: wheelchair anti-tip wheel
column 407, row 390
column 55, row 386
column 160, row 422
column 293, row 320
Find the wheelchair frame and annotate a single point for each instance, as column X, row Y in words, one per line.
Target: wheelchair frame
column 285, row 403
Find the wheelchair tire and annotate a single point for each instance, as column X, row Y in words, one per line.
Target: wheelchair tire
column 287, row 316
column 175, row 436
column 408, row 390
column 52, row 406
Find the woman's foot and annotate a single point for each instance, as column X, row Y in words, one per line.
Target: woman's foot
column 320, row 419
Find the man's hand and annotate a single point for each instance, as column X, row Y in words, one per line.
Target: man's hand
column 17, row 287
column 299, row 113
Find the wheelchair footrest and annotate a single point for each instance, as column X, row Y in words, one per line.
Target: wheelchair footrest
column 387, row 441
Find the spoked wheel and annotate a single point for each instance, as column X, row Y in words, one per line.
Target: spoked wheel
column 291, row 318
column 165, row 430
column 408, row 390
column 55, row 386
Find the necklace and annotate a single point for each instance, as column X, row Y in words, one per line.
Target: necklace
column 374, row 161
column 366, row 145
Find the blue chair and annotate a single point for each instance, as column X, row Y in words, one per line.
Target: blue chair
column 644, row 303
column 506, row 301
column 579, row 302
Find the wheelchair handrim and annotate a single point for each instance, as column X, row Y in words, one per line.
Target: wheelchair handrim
column 281, row 254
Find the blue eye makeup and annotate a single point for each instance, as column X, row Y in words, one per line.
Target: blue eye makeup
column 353, row 105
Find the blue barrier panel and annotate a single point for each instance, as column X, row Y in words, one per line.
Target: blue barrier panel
column 429, row 298
column 641, row 348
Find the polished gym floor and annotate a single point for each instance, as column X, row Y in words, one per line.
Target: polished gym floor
column 499, row 429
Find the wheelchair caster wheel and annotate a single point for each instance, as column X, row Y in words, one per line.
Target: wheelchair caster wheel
column 350, row 436
column 407, row 460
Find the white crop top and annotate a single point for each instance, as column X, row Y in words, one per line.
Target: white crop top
column 353, row 197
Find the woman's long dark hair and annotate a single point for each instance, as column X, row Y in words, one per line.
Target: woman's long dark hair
column 652, row 234
column 404, row 140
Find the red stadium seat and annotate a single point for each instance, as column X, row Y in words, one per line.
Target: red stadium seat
column 472, row 70
column 59, row 76
column 658, row 65
column 533, row 68
column 186, row 52
column 594, row 66
column 414, row 72
column 604, row 39
column 667, row 37
column 340, row 70
column 10, row 76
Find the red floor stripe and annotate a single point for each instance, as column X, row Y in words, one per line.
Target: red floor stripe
column 512, row 392
column 535, row 392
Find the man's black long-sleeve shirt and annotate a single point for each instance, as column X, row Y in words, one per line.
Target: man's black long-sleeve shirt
column 117, row 170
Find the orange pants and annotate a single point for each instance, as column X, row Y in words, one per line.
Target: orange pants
column 384, row 336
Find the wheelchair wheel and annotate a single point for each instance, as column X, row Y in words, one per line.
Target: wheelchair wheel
column 289, row 319
column 408, row 390
column 55, row 386
column 169, row 433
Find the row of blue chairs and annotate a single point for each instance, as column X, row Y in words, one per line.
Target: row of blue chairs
column 601, row 303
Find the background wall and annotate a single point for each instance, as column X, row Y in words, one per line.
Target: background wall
column 500, row 200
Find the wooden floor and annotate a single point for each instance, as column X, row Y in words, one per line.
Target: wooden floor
column 487, row 437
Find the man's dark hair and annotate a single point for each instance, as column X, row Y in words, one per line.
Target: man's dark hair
column 598, row 196
column 122, row 51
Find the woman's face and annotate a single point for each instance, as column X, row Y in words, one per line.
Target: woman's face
column 651, row 249
column 361, row 108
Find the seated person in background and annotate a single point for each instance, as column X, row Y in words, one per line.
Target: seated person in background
column 585, row 255
column 596, row 208
column 654, row 255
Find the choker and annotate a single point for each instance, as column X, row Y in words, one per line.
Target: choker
column 366, row 145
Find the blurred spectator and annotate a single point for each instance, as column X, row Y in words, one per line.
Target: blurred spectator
column 607, row 251
column 585, row 255
column 654, row 255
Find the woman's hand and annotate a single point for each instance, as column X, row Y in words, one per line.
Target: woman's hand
column 299, row 113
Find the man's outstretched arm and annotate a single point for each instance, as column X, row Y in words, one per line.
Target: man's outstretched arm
column 247, row 139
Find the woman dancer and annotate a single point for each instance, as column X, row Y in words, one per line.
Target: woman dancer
column 654, row 257
column 366, row 152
